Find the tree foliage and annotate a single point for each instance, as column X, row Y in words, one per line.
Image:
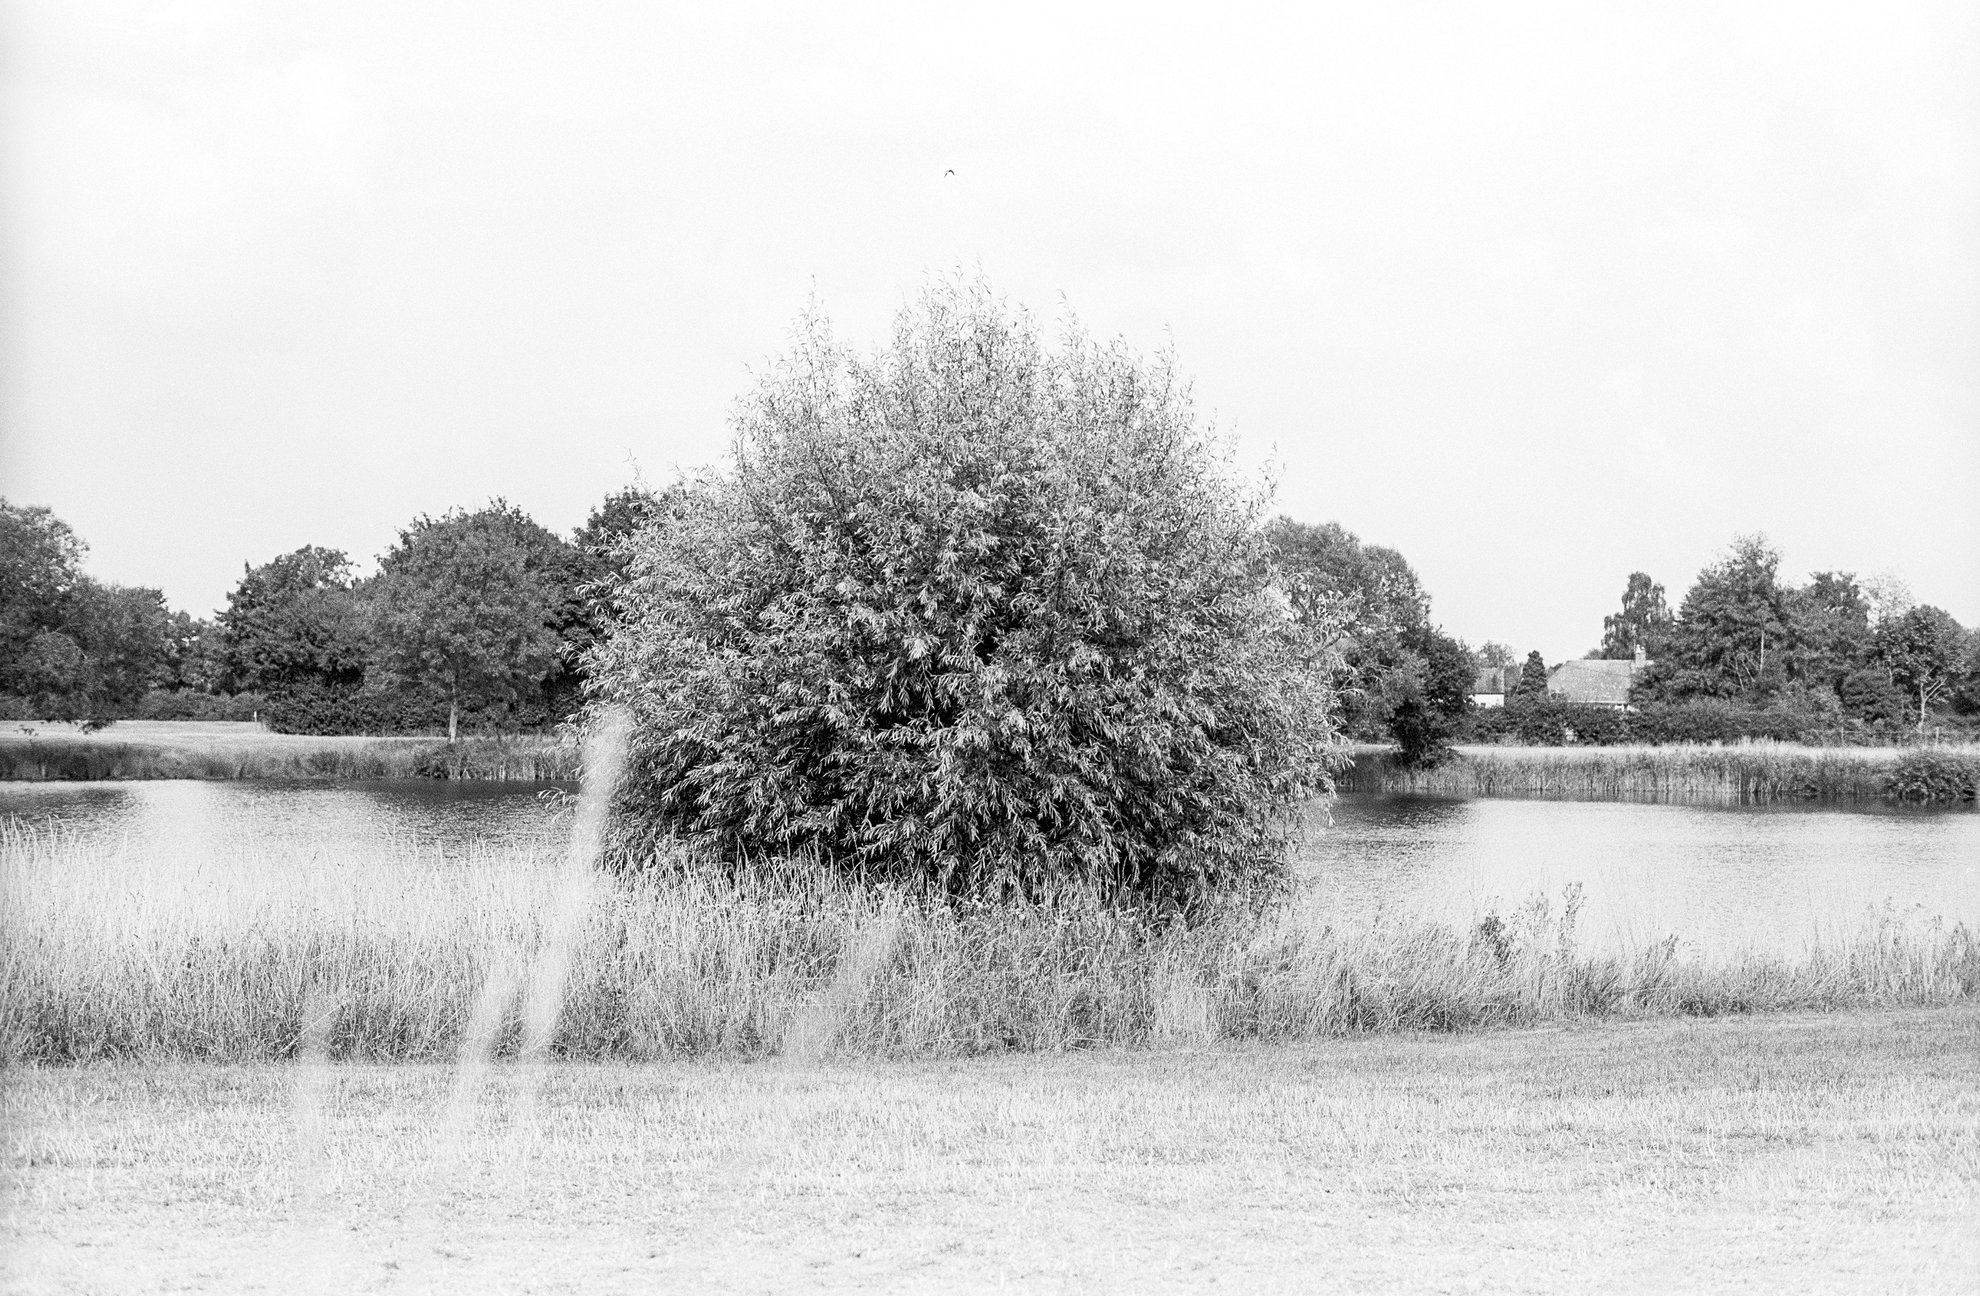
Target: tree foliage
column 602, row 552
column 1643, row 623
column 1399, row 675
column 1828, row 631
column 1730, row 639
column 40, row 576
column 975, row 612
column 72, row 648
column 1532, row 677
column 466, row 609
column 1923, row 650
column 123, row 631
column 294, row 622
column 1837, row 651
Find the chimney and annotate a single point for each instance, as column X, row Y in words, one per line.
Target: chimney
column 1640, row 657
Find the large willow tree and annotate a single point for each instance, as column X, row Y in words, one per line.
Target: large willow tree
column 971, row 611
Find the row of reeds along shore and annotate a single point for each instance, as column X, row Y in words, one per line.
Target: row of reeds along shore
column 1745, row 772
column 165, row 750
column 125, row 951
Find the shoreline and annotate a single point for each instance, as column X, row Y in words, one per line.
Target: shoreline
column 1740, row 774
column 144, row 750
column 1743, row 773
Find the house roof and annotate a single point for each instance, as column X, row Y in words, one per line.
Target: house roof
column 1494, row 679
column 1599, row 681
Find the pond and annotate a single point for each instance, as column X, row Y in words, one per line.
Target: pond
column 1718, row 877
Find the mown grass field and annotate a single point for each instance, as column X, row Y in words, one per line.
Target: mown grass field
column 166, row 749
column 1796, row 1152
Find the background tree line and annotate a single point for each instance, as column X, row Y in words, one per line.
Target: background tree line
column 1748, row 654
column 485, row 619
column 75, row 648
column 481, row 617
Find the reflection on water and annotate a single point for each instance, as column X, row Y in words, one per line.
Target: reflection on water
column 1717, row 876
column 188, row 815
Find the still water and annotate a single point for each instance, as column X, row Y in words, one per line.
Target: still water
column 1719, row 877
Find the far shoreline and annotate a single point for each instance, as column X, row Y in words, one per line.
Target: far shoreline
column 1746, row 772
column 143, row 750
column 1756, row 771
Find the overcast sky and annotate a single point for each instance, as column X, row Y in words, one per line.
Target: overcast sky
column 1538, row 296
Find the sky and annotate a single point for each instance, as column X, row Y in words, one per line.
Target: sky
column 1537, row 295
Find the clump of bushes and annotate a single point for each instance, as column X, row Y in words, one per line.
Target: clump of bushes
column 191, row 704
column 1933, row 776
column 1543, row 721
column 974, row 614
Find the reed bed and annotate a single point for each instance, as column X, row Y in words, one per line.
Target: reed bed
column 248, row 951
column 1742, row 773
column 141, row 750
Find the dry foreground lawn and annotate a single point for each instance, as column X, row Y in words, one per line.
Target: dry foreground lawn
column 1789, row 1153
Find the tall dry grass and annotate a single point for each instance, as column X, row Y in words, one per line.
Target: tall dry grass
column 263, row 950
column 193, row 751
column 1740, row 773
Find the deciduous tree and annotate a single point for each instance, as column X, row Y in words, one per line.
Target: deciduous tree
column 40, row 576
column 466, row 608
column 1730, row 639
column 1644, row 622
column 974, row 611
column 1399, row 675
column 293, row 622
column 1923, row 649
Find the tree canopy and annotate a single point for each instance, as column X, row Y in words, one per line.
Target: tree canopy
column 1730, row 638
column 1834, row 650
column 972, row 611
column 72, row 648
column 1923, row 650
column 294, row 621
column 1399, row 675
column 1643, row 623
column 465, row 608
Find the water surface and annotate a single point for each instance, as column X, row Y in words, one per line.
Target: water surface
column 186, row 814
column 1717, row 876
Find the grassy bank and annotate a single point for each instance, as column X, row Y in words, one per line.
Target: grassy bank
column 1747, row 772
column 107, row 951
column 140, row 749
column 1832, row 1153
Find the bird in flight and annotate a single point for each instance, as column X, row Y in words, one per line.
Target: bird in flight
column 946, row 174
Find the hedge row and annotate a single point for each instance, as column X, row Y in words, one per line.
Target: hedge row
column 1546, row 722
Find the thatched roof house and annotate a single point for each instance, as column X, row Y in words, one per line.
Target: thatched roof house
column 1596, row 682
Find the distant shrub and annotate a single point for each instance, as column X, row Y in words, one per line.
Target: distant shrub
column 1549, row 722
column 189, row 704
column 1932, row 776
column 974, row 615
column 321, row 709
column 1710, row 720
column 1540, row 721
column 318, row 708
